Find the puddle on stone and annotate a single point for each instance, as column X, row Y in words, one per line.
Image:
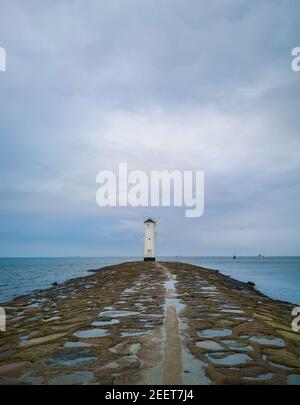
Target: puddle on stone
column 72, row 357
column 235, row 345
column 232, row 311
column 118, row 314
column 261, row 377
column 112, row 364
column 77, row 344
column 140, row 306
column 34, row 318
column 228, row 360
column 193, row 369
column 214, row 332
column 71, row 363
column 268, row 341
column 230, row 306
column 176, row 302
column 32, row 306
column 129, row 333
column 53, row 318
column 105, row 323
column 134, row 348
column 146, row 299
column 209, row 345
column 209, row 293
column 78, row 377
column 129, row 290
column 91, row 333
column 170, row 284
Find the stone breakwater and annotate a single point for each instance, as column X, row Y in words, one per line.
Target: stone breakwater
column 149, row 323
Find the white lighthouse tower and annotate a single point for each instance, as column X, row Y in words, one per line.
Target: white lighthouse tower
column 149, row 240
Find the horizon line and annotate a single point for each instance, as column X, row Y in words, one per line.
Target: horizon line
column 135, row 257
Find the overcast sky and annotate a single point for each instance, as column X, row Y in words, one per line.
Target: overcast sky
column 172, row 84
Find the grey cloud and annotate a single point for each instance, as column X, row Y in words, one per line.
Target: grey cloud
column 173, row 84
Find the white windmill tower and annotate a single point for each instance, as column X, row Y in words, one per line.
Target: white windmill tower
column 149, row 239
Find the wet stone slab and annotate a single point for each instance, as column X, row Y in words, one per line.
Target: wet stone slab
column 214, row 332
column 91, row 333
column 233, row 359
column 209, row 345
column 268, row 341
column 118, row 314
column 72, row 357
column 105, row 322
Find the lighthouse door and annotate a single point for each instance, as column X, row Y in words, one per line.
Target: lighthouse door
column 149, row 253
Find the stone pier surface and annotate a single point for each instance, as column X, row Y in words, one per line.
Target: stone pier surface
column 149, row 323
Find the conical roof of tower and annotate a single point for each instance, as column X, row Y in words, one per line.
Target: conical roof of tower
column 149, row 220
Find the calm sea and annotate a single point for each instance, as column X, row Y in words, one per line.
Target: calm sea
column 278, row 277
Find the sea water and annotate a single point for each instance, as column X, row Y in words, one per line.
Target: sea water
column 277, row 277
column 19, row 276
